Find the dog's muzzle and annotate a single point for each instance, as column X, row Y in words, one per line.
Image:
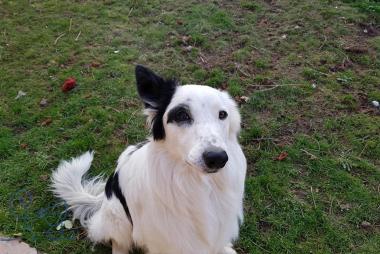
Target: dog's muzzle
column 215, row 160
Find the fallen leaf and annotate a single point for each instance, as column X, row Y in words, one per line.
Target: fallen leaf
column 244, row 98
column 23, row 145
column 241, row 99
column 282, row 156
column 20, row 94
column 68, row 85
column 43, row 102
column 44, row 177
column 47, row 122
column 95, row 64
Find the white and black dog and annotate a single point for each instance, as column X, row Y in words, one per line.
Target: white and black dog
column 181, row 191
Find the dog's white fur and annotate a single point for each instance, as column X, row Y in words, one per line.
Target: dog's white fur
column 176, row 207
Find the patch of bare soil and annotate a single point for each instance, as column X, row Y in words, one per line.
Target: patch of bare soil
column 344, row 65
column 264, row 226
column 365, row 106
column 301, row 195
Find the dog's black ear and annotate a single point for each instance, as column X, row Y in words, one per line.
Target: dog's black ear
column 148, row 86
column 156, row 94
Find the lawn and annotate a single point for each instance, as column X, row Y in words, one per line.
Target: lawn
column 304, row 73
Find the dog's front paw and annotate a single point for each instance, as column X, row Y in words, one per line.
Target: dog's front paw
column 228, row 250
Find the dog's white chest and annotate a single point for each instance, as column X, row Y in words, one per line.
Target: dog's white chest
column 198, row 215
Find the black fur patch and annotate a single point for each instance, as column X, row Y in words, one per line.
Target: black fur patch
column 113, row 187
column 139, row 145
column 173, row 115
column 156, row 93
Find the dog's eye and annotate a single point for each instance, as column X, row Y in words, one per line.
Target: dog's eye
column 182, row 116
column 222, row 115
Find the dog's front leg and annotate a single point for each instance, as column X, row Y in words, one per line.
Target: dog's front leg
column 118, row 249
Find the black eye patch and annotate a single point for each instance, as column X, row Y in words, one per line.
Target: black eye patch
column 180, row 114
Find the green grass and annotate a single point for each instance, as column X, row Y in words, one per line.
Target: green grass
column 314, row 201
column 369, row 6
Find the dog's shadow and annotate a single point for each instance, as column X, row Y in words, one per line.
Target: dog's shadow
column 137, row 250
column 106, row 249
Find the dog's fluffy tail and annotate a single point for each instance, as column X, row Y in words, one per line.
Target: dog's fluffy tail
column 83, row 196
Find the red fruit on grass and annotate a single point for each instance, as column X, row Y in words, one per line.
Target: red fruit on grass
column 282, row 156
column 69, row 84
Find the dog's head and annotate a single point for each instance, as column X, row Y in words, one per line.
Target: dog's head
column 195, row 123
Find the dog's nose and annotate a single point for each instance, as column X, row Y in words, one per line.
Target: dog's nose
column 215, row 160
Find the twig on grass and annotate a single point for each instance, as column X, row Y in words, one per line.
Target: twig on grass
column 203, row 58
column 130, row 11
column 312, row 156
column 132, row 115
column 274, row 86
column 114, row 109
column 267, row 89
column 260, row 247
column 312, row 196
column 59, row 37
column 331, row 203
column 244, row 73
column 71, row 22
column 319, row 145
column 365, row 146
column 238, row 67
column 261, row 139
column 76, row 38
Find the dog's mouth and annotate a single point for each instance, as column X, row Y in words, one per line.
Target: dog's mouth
column 203, row 168
column 211, row 170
